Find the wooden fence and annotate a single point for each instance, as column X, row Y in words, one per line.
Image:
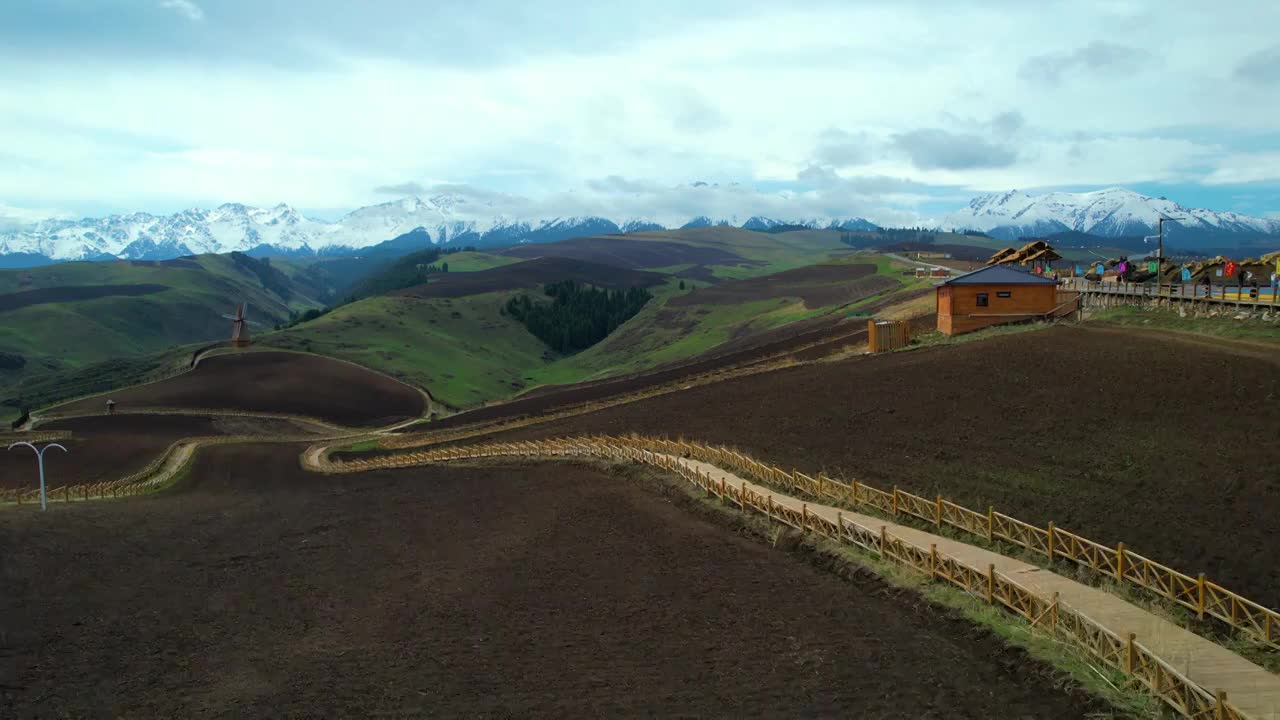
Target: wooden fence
column 886, row 335
column 1049, row 615
column 42, row 436
column 135, row 483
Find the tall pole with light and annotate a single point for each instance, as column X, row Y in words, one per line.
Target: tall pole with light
column 40, row 461
column 1160, row 248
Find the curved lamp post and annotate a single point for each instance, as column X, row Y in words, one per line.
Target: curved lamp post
column 40, row 460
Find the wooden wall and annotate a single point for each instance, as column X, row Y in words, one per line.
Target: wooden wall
column 957, row 305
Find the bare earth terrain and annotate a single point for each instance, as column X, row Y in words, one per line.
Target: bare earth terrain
column 1166, row 445
column 258, row 590
column 273, row 382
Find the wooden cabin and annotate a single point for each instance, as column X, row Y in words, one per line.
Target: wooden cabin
column 993, row 295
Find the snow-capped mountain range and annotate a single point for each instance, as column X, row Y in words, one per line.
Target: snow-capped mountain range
column 282, row 230
column 447, row 218
column 1110, row 213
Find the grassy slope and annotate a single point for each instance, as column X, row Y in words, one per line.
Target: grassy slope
column 64, row 337
column 463, row 350
column 654, row 337
column 766, row 254
column 473, row 261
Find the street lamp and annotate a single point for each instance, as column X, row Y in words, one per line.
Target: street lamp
column 1160, row 249
column 40, row 461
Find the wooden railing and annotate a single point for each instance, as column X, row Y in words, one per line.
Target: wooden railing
column 39, row 436
column 136, row 483
column 1206, row 598
column 1049, row 615
column 1235, row 294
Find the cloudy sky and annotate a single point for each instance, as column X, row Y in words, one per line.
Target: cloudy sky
column 893, row 110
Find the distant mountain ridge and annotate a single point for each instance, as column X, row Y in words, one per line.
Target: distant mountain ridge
column 449, row 219
column 411, row 222
column 1109, row 213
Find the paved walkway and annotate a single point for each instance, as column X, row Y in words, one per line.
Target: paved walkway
column 1250, row 688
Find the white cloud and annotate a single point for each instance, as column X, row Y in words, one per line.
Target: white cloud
column 1242, row 168
column 186, row 8
column 755, row 96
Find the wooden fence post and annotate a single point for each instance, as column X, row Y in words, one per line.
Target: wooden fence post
column 884, row 538
column 1200, row 596
column 1049, row 545
column 742, row 499
column 991, row 583
column 1128, row 654
column 938, row 522
column 1120, row 562
column 933, row 560
column 1220, row 705
column 853, row 491
column 804, row 516
column 895, row 501
column 991, row 522
column 840, row 531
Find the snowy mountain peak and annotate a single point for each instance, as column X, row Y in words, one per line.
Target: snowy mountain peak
column 1110, row 212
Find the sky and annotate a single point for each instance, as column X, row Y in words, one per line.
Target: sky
column 894, row 110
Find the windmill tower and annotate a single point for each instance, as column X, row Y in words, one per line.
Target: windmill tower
column 239, row 328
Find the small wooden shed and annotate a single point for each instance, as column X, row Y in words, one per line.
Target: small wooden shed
column 993, row 295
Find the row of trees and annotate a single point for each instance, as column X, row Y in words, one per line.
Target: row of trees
column 577, row 316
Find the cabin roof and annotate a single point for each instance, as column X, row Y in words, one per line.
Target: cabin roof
column 999, row 275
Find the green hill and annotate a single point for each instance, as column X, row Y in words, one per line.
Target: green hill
column 59, row 319
column 454, row 335
column 87, row 327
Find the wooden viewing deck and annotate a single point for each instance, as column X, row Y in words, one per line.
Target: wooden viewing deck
column 1247, row 296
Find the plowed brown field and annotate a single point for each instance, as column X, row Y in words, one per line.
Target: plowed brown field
column 550, row 591
column 1166, row 445
column 105, row 448
column 273, row 382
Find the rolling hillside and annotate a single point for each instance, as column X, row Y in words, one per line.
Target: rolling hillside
column 711, row 286
column 76, row 328
column 60, row 319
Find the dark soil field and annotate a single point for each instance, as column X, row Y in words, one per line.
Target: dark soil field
column 105, row 448
column 274, row 382
column 817, row 285
column 529, row 274
column 256, row 590
column 1165, row 444
column 74, row 293
column 630, row 254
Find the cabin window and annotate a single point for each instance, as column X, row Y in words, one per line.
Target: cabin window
column 1004, row 294
column 983, row 299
